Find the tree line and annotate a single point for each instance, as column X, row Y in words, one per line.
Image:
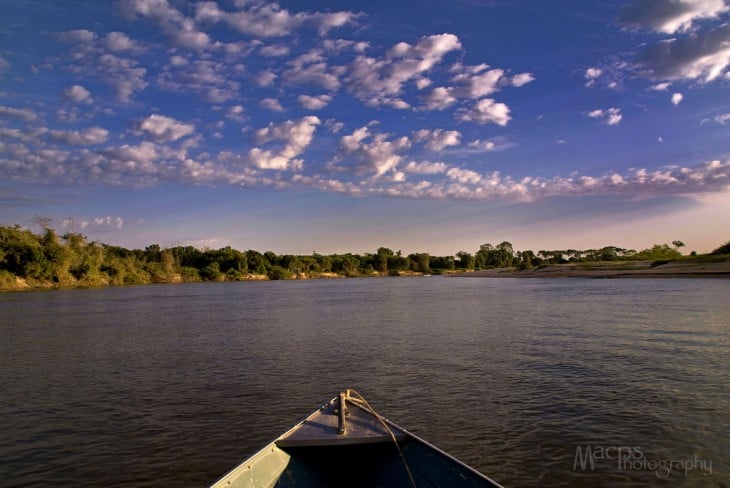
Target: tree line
column 50, row 259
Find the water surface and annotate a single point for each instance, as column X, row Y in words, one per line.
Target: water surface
column 175, row 384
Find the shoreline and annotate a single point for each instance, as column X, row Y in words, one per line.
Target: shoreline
column 611, row 271
column 637, row 269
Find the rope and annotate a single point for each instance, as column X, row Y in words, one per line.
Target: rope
column 360, row 401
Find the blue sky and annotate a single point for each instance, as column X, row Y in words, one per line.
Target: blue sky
column 345, row 126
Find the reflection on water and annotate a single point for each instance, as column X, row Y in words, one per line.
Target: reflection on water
column 176, row 384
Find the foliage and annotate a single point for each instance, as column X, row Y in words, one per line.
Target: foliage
column 71, row 260
column 724, row 249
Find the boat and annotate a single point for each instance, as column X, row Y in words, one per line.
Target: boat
column 347, row 443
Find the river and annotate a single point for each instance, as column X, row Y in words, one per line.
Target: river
column 175, row 384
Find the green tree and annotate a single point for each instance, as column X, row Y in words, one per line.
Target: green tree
column 466, row 260
column 381, row 259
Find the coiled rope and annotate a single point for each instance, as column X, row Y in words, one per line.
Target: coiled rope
column 357, row 399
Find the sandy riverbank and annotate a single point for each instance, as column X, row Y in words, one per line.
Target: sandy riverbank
column 639, row 269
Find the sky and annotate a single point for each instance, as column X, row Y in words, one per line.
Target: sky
column 320, row 126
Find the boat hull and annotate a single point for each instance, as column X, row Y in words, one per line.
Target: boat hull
column 314, row 454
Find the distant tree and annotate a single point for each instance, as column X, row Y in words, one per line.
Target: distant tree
column 677, row 244
column 442, row 262
column 398, row 263
column 724, row 249
column 420, row 262
column 381, row 259
column 658, row 252
column 257, row 263
column 466, row 260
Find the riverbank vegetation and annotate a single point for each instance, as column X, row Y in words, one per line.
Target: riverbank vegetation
column 50, row 260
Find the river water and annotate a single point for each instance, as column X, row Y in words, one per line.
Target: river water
column 175, row 384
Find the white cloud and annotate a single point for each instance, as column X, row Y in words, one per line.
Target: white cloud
column 439, row 98
column 77, row 94
column 271, row 104
column 268, row 19
column 437, row 139
column 235, row 113
column 4, row 65
column 334, row 126
column 486, row 111
column 24, row 114
column 660, row 86
column 591, row 75
column 311, row 68
column 522, row 79
column 480, row 84
column 265, row 78
column 339, row 45
column 481, row 145
column 296, row 134
column 274, row 50
column 703, row 57
column 671, row 16
column 676, row 98
column 214, row 80
column 722, row 118
column 180, row 30
column 371, row 153
column 610, row 116
column 120, row 42
column 123, row 74
column 163, row 128
column 379, row 82
column 425, row 168
column 464, row 175
column 314, row 102
column 178, row 60
column 86, row 137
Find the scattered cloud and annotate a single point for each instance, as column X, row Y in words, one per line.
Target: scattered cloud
column 274, row 50
column 314, row 102
column 722, row 118
column 86, row 137
column 312, row 68
column 702, row 57
column 486, row 111
column 609, row 116
column 163, row 129
column 120, row 42
column 591, row 75
column 375, row 154
column 380, row 81
column 268, row 19
column 439, row 98
column 97, row 222
column 296, row 134
column 482, row 146
column 425, row 167
column 214, row 80
column 437, row 139
column 671, row 16
column 271, row 104
column 77, row 94
column 464, row 175
column 677, row 98
column 522, row 79
column 660, row 86
column 181, row 31
column 265, row 78
column 24, row 114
